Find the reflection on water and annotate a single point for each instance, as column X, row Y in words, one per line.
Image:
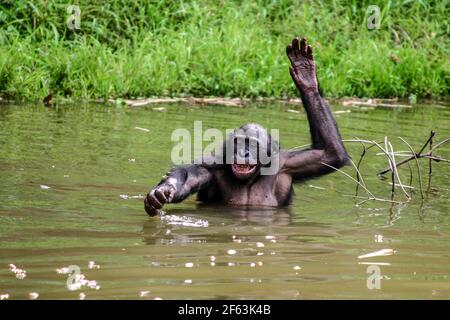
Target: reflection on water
column 71, row 189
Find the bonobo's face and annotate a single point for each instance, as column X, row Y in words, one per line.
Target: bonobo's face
column 248, row 150
column 245, row 164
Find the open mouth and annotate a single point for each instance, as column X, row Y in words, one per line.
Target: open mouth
column 243, row 170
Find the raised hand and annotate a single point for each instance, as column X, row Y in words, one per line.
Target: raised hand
column 303, row 70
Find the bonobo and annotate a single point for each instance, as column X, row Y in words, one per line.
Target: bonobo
column 243, row 178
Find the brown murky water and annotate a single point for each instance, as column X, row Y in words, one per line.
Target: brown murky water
column 71, row 187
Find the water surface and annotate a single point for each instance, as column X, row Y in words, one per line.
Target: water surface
column 71, row 187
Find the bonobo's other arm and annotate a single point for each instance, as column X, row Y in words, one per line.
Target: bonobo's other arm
column 177, row 186
column 327, row 146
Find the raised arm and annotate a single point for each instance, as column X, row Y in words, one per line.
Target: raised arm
column 327, row 146
column 177, row 186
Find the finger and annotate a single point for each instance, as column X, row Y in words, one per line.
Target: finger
column 295, row 46
column 151, row 211
column 169, row 192
column 303, row 47
column 160, row 196
column 153, row 201
column 290, row 51
column 309, row 53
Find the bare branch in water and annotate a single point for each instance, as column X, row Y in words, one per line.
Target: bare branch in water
column 430, row 170
column 418, row 154
column 418, row 166
column 389, row 152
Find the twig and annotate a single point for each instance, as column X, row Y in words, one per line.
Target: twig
column 418, row 166
column 410, row 158
column 394, row 166
column 430, row 171
column 440, row 143
column 372, row 196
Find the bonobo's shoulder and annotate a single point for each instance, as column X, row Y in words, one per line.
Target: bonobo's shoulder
column 283, row 156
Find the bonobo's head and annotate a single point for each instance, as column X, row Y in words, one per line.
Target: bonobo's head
column 249, row 149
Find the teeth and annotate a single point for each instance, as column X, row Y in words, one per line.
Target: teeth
column 243, row 166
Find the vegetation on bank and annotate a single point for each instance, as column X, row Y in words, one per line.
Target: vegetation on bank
column 221, row 48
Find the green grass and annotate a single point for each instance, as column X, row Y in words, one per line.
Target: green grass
column 221, row 48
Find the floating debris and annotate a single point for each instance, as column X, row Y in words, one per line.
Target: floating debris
column 382, row 252
column 33, row 295
column 188, row 264
column 92, row 265
column 212, row 264
column 376, row 103
column 342, row 111
column 231, row 252
column 144, row 294
column 212, row 258
column 20, row 273
column 80, row 280
column 4, row 296
column 188, row 281
column 142, row 129
column 157, row 298
column 184, row 221
column 293, row 111
column 260, row 245
column 64, row 270
column 259, row 263
column 252, row 265
column 378, row 238
column 260, row 254
column 296, row 267
column 375, row 263
column 159, row 109
column 270, row 237
column 231, row 264
column 132, row 160
column 45, row 187
column 77, row 280
column 126, row 197
column 82, row 296
column 316, row 187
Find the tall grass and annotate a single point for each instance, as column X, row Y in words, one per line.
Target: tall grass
column 221, row 48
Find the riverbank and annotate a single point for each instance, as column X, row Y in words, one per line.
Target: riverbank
column 217, row 48
column 361, row 103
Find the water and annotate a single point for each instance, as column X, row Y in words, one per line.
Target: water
column 71, row 187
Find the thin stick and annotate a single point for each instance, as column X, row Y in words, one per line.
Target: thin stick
column 358, row 175
column 440, row 143
column 396, row 171
column 346, row 174
column 410, row 175
column 392, row 162
column 430, row 162
column 410, row 158
column 418, row 167
column 435, row 158
column 372, row 197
